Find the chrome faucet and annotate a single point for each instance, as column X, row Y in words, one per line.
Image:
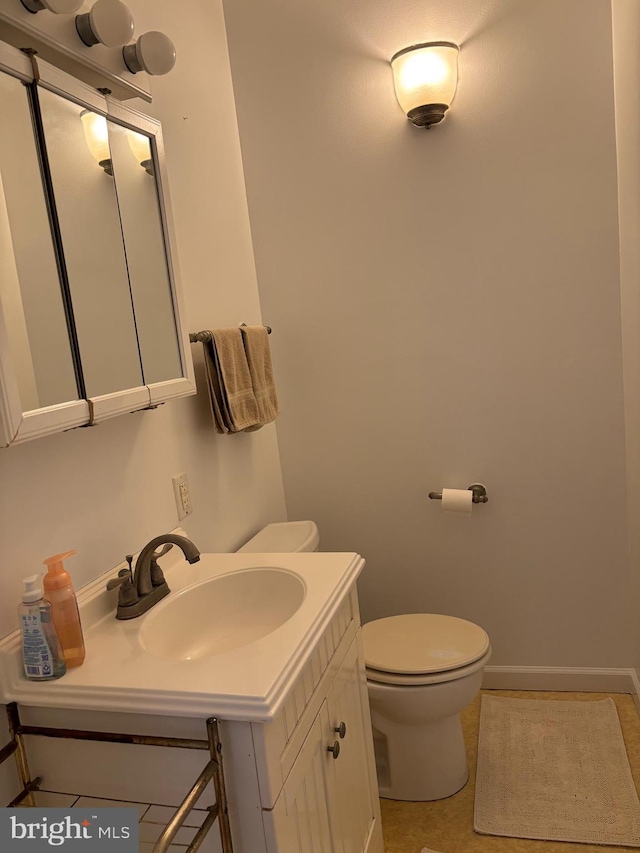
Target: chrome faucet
column 145, row 586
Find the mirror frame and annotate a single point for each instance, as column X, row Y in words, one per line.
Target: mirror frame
column 17, row 426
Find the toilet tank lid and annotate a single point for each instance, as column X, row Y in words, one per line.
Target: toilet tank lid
column 284, row 537
column 422, row 642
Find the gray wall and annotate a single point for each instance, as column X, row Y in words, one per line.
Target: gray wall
column 447, row 307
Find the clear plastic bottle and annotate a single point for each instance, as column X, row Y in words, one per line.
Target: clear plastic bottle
column 41, row 650
column 64, row 607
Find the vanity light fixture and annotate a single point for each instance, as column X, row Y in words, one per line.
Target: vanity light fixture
column 96, row 134
column 58, row 7
column 109, row 22
column 153, row 52
column 425, row 77
column 140, row 146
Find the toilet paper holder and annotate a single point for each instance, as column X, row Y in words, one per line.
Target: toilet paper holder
column 479, row 494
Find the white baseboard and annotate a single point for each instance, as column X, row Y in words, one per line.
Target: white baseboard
column 563, row 679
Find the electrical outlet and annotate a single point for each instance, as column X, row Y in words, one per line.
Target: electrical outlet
column 182, row 496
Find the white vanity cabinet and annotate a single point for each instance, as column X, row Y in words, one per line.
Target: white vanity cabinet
column 357, row 813
column 286, row 704
column 301, row 817
column 326, row 801
column 287, row 791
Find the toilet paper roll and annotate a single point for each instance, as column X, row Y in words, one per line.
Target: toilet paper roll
column 457, row 500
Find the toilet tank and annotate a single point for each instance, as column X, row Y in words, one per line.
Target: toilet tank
column 284, row 537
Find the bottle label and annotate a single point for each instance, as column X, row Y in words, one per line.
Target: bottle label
column 38, row 661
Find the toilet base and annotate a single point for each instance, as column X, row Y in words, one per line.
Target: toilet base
column 419, row 763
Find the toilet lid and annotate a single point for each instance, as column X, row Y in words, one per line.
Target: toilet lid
column 422, row 642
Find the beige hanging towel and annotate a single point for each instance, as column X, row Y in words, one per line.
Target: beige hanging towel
column 256, row 344
column 233, row 402
column 213, row 387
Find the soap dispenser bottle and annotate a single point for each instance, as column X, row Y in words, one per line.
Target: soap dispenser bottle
column 41, row 650
column 64, row 607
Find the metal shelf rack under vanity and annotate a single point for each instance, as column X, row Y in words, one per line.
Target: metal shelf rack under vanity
column 212, row 772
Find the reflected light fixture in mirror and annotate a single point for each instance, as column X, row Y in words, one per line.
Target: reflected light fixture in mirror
column 425, row 77
column 153, row 52
column 141, row 150
column 108, row 22
column 58, row 7
column 97, row 137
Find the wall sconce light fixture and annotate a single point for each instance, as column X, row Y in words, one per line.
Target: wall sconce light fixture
column 154, row 53
column 96, row 135
column 140, row 146
column 425, row 77
column 58, row 7
column 109, row 22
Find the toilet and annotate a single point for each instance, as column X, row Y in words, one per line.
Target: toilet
column 422, row 670
column 284, row 537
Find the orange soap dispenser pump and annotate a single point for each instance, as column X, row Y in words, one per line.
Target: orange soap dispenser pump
column 58, row 589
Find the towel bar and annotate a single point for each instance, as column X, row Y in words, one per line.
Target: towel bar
column 205, row 335
column 213, row 772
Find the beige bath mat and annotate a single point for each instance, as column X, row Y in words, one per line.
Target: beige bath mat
column 556, row 771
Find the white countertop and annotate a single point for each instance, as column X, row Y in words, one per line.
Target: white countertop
column 248, row 683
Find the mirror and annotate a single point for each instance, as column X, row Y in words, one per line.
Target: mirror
column 30, row 290
column 133, row 164
column 90, row 301
column 94, row 253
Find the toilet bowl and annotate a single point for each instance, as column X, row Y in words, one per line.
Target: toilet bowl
column 422, row 670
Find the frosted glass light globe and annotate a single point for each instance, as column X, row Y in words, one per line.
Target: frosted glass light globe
column 140, row 146
column 425, row 77
column 154, row 53
column 96, row 135
column 109, row 22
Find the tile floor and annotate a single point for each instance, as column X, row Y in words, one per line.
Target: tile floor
column 447, row 825
column 153, row 819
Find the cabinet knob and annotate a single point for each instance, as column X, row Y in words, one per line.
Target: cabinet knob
column 341, row 730
column 334, row 750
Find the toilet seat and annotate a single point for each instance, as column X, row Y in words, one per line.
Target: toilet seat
column 423, row 679
column 423, row 648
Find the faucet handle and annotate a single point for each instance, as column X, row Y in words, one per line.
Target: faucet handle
column 128, row 593
column 165, row 550
column 123, row 574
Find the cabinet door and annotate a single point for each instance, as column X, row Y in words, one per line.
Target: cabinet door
column 91, row 244
column 39, row 389
column 356, row 803
column 299, row 821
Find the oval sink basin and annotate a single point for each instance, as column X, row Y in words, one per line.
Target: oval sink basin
column 222, row 613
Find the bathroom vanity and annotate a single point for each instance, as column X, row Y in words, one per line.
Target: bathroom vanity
column 313, row 763
column 292, row 702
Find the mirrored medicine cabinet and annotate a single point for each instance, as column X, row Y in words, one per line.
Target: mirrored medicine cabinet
column 91, row 318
